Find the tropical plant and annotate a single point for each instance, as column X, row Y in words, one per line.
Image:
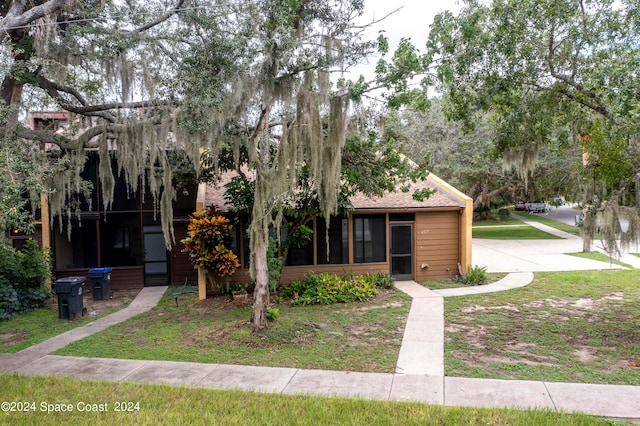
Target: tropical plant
column 207, row 244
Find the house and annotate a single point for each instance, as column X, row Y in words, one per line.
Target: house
column 395, row 234
column 126, row 237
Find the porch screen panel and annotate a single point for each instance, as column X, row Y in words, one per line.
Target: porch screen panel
column 338, row 241
column 369, row 239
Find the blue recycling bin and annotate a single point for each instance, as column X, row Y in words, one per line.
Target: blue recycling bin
column 100, row 283
column 70, row 291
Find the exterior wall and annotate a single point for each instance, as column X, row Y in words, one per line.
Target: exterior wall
column 437, row 243
column 290, row 273
column 123, row 277
column 466, row 221
column 180, row 267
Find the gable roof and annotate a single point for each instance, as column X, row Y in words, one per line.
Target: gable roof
column 445, row 196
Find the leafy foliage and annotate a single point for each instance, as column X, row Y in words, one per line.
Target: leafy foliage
column 565, row 85
column 272, row 313
column 147, row 79
column 328, row 288
column 208, row 240
column 23, row 178
column 476, row 275
column 274, row 264
column 23, row 279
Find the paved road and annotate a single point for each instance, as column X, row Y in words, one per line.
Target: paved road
column 566, row 214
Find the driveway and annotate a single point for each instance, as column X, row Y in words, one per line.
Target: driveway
column 533, row 256
column 538, row 255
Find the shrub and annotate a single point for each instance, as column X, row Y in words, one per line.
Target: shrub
column 379, row 279
column 475, row 276
column 329, row 288
column 9, row 303
column 274, row 264
column 272, row 313
column 504, row 213
column 23, row 279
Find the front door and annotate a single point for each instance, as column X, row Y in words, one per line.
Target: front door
column 155, row 257
column 401, row 251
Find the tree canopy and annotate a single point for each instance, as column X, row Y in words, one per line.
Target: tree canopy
column 548, row 72
column 143, row 79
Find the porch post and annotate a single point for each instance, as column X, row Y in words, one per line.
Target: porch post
column 202, row 274
column 45, row 226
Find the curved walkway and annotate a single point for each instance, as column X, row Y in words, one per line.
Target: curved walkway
column 419, row 373
column 511, row 281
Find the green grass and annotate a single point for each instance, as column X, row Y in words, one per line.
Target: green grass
column 453, row 283
column 356, row 337
column 497, row 222
column 170, row 405
column 34, row 327
column 596, row 255
column 564, row 327
column 524, row 232
column 561, row 226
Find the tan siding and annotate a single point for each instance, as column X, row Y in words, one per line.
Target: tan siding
column 437, row 244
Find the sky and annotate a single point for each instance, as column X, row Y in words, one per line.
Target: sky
column 412, row 21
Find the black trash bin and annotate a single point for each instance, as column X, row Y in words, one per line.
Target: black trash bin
column 100, row 283
column 70, row 291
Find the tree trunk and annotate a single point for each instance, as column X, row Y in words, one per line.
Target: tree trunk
column 261, row 291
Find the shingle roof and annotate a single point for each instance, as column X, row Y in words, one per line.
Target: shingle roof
column 404, row 200
column 397, row 200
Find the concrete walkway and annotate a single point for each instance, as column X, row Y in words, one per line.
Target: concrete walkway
column 419, row 372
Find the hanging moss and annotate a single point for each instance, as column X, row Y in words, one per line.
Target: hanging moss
column 523, row 161
column 107, row 181
column 615, row 239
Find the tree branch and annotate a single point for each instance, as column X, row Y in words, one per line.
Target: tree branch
column 597, row 105
column 169, row 14
column 17, row 17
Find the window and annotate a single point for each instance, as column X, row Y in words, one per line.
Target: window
column 298, row 254
column 338, row 241
column 369, row 239
column 81, row 250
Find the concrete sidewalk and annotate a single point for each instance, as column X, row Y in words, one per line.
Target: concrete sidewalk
column 599, row 400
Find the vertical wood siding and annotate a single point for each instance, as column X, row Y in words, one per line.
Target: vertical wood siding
column 437, row 243
column 182, row 271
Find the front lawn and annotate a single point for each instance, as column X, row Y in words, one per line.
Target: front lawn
column 30, row 328
column 511, row 232
column 564, row 327
column 356, row 336
column 561, row 226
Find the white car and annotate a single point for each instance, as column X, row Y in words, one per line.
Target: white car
column 536, row 207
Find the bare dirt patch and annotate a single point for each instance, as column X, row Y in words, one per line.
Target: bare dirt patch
column 119, row 299
column 584, row 354
column 578, row 335
column 12, row 337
